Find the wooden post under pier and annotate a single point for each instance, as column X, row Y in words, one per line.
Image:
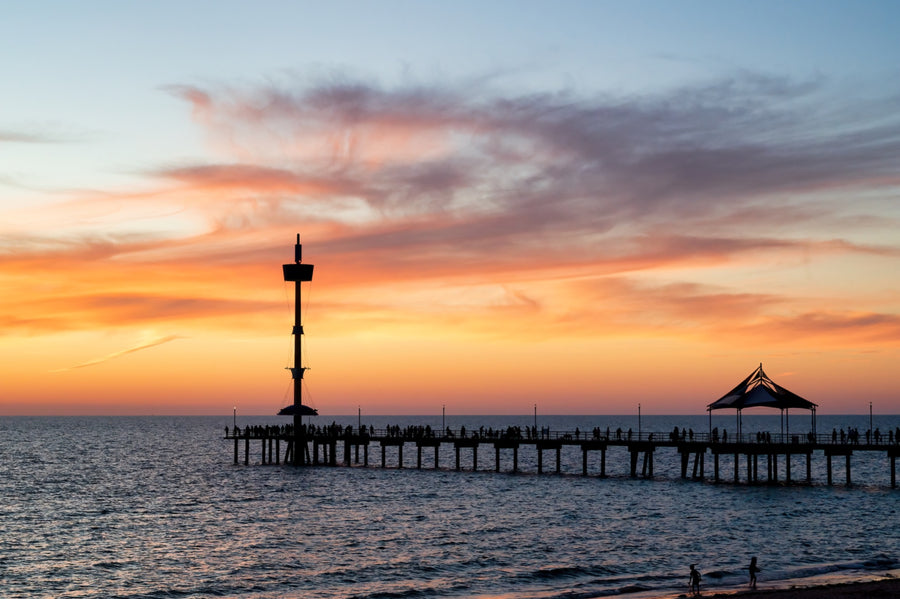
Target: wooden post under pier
column 635, row 449
column 506, row 444
column 593, row 445
column 892, row 456
column 541, row 445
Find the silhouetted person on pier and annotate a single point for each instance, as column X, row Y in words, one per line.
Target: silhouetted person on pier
column 695, row 580
column 753, row 568
column 724, row 436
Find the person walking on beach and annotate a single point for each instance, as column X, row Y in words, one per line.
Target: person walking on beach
column 695, row 580
column 753, row 568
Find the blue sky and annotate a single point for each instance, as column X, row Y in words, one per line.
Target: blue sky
column 93, row 74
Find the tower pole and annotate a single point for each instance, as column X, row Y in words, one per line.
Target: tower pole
column 298, row 273
column 297, row 374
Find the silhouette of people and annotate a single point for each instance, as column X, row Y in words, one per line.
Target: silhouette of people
column 753, row 568
column 695, row 580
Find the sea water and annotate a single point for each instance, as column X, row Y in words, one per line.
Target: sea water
column 154, row 507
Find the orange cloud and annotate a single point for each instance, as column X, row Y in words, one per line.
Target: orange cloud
column 591, row 239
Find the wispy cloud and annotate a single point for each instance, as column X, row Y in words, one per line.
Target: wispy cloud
column 453, row 185
column 114, row 355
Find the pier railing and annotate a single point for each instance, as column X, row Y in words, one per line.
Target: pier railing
column 866, row 439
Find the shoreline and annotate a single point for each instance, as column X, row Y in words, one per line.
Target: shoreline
column 878, row 588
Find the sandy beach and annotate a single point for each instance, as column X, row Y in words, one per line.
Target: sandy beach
column 879, row 589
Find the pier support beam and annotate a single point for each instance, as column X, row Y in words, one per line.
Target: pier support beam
column 848, row 470
column 809, row 468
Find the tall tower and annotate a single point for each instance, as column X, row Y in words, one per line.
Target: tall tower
column 298, row 273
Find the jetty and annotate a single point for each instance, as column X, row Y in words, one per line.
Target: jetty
column 756, row 458
column 760, row 458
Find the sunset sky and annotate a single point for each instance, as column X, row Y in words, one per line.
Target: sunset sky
column 579, row 205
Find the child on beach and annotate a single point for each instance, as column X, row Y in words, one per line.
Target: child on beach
column 695, row 580
column 753, row 570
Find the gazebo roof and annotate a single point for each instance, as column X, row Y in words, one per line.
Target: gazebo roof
column 759, row 391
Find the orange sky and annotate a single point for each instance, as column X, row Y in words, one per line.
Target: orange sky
column 486, row 252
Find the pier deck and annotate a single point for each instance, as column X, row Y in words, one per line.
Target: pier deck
column 748, row 451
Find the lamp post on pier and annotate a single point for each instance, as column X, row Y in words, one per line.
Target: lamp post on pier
column 639, row 422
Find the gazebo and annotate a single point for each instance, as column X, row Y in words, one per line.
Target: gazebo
column 759, row 391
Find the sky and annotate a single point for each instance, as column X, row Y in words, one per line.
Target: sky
column 574, row 207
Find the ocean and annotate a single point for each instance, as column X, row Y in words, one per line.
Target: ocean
column 154, row 507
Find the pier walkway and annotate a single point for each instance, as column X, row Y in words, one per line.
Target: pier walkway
column 757, row 457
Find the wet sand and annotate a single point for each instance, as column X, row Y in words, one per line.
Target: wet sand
column 879, row 589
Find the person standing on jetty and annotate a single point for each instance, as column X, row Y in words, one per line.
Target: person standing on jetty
column 695, row 580
column 753, row 568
